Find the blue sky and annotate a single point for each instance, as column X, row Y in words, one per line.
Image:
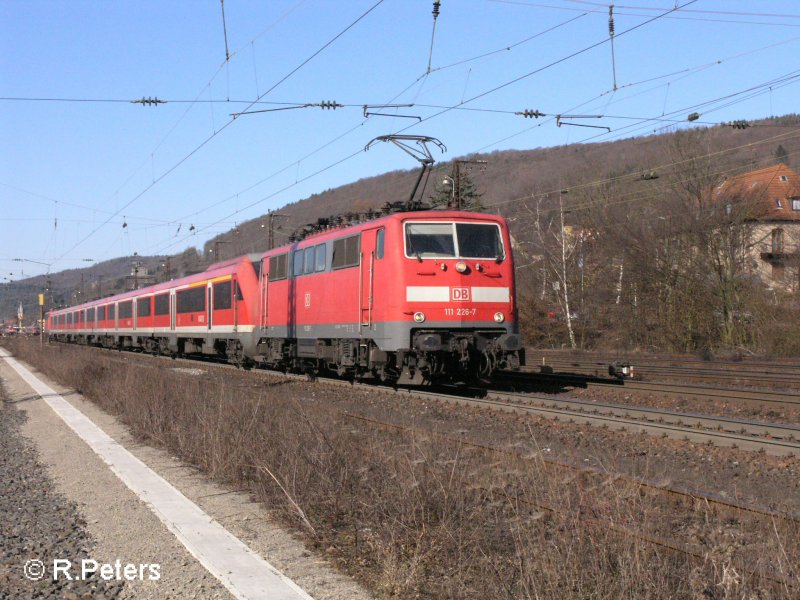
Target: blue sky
column 73, row 172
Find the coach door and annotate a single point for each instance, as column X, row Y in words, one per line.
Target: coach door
column 172, row 310
column 208, row 306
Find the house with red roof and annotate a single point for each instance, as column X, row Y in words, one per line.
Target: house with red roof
column 773, row 198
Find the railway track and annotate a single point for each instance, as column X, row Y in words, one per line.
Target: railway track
column 692, row 391
column 786, row 375
column 771, row 438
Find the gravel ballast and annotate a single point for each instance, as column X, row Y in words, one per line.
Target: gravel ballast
column 38, row 524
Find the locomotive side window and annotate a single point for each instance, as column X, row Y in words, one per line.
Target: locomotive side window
column 222, row 295
column 143, row 307
column 479, row 240
column 297, row 263
column 126, row 309
column 191, row 300
column 346, row 252
column 101, row 313
column 379, row 243
column 162, row 305
column 430, row 240
column 320, row 257
column 309, row 267
column 111, row 311
column 277, row 267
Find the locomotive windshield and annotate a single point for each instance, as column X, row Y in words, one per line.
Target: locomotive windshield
column 450, row 240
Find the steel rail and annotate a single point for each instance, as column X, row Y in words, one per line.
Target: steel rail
column 680, row 389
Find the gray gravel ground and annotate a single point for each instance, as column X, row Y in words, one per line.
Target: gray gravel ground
column 37, row 523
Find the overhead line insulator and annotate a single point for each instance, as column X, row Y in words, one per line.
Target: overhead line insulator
column 530, row 114
column 148, row 101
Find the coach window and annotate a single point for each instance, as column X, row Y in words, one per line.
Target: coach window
column 277, row 267
column 111, row 312
column 379, row 243
column 101, row 313
column 297, row 263
column 90, row 314
column 126, row 309
column 346, row 252
column 161, row 305
column 191, row 300
column 222, row 295
column 320, row 257
column 143, row 307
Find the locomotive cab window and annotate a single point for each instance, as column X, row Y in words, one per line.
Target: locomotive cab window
column 277, row 267
column 222, row 295
column 430, row 240
column 479, row 240
column 346, row 252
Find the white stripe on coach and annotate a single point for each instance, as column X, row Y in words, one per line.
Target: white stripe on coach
column 246, row 575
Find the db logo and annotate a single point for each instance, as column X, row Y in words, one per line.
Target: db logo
column 460, row 294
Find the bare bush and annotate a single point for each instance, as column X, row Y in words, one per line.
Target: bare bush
column 414, row 514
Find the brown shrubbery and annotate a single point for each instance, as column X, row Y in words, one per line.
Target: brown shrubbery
column 415, row 515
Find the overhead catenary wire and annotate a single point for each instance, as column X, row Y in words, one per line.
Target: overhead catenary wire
column 228, row 123
column 602, row 8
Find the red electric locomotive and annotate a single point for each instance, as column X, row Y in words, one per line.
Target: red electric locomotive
column 409, row 297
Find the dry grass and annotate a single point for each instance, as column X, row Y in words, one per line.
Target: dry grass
column 415, row 515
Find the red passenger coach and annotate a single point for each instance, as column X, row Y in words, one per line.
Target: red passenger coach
column 409, row 297
column 212, row 312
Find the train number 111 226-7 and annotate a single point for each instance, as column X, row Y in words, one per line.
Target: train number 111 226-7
column 460, row 312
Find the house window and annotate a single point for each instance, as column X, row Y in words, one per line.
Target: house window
column 784, row 178
column 778, row 203
column 795, row 203
column 777, row 241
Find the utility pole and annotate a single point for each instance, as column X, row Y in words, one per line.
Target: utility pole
column 271, row 228
column 217, row 244
column 168, row 268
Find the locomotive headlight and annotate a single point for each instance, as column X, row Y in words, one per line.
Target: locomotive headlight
column 461, row 267
column 499, row 317
column 419, row 317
